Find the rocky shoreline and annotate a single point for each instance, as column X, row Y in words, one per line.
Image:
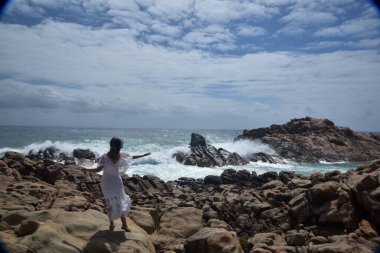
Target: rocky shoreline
column 51, row 207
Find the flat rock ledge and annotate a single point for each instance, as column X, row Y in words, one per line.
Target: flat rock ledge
column 50, row 207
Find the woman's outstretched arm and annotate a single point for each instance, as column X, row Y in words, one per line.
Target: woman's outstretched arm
column 139, row 156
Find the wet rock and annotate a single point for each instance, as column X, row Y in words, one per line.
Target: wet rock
column 83, row 154
column 197, row 140
column 205, row 155
column 263, row 157
column 49, row 153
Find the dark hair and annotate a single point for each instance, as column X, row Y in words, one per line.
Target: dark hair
column 116, row 144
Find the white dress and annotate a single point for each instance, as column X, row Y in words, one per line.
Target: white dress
column 117, row 202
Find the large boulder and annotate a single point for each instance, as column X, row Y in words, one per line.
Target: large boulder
column 177, row 224
column 181, row 222
column 213, row 240
column 365, row 185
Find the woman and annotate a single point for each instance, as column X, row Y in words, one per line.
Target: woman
column 114, row 164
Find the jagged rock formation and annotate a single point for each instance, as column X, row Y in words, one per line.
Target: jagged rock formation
column 205, row 155
column 313, row 140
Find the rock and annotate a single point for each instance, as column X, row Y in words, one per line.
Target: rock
column 241, row 177
column 268, row 176
column 318, row 240
column 313, row 140
column 328, row 212
column 15, row 156
column 48, row 154
column 26, row 195
column 362, row 182
column 366, row 229
column 273, row 184
column 83, row 154
column 52, row 173
column 197, row 140
column 213, row 240
column 215, row 223
column 213, row 180
column 26, row 227
column 323, row 192
column 296, row 238
column 300, row 208
column 205, row 155
column 341, row 247
column 73, row 232
column 143, row 219
column 299, row 183
column 260, row 240
column 317, row 177
column 263, row 157
column 366, row 191
column 286, row 176
column 333, row 175
column 180, row 222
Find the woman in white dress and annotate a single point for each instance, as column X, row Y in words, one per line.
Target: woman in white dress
column 114, row 164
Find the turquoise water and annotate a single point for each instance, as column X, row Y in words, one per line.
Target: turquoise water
column 161, row 142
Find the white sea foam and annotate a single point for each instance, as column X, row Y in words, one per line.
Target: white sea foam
column 325, row 162
column 162, row 164
column 61, row 147
column 246, row 147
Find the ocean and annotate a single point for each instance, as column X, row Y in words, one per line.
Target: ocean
column 161, row 142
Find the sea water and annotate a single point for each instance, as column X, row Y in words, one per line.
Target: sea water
column 162, row 143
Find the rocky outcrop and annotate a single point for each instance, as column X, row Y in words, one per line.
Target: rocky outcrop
column 51, row 153
column 205, row 155
column 314, row 140
column 238, row 211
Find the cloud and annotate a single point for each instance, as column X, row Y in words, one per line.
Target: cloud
column 355, row 28
column 290, row 30
column 361, row 44
column 219, row 12
column 190, row 64
column 304, row 17
column 249, row 31
column 16, row 95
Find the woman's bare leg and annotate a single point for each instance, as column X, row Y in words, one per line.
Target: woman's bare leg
column 124, row 225
column 112, row 225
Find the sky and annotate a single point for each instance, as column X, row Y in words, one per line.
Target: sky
column 220, row 64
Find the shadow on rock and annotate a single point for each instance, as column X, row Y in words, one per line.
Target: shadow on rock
column 105, row 241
